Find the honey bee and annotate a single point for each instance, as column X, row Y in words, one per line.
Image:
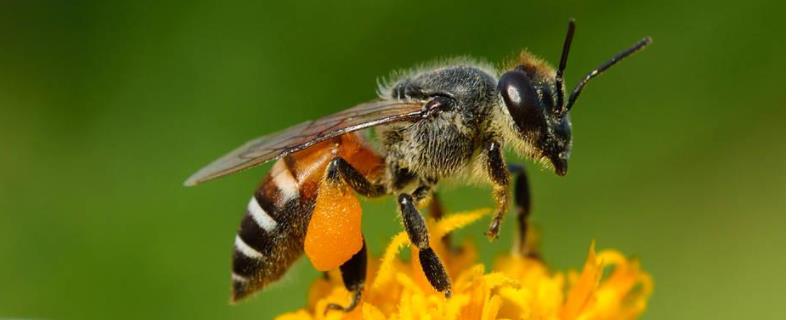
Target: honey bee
column 436, row 123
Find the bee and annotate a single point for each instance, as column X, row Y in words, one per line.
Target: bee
column 437, row 123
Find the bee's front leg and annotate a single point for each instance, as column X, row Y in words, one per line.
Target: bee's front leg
column 523, row 203
column 499, row 176
column 418, row 234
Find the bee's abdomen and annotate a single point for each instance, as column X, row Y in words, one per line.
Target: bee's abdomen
column 272, row 233
column 270, row 236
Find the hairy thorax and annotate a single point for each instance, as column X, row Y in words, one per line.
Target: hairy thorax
column 445, row 143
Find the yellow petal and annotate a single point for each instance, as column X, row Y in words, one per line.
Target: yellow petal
column 459, row 220
column 369, row 311
column 582, row 291
column 491, row 308
column 386, row 270
column 299, row 315
column 518, row 287
column 497, row 279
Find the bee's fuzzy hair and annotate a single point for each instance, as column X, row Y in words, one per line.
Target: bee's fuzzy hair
column 500, row 125
column 528, row 61
column 385, row 84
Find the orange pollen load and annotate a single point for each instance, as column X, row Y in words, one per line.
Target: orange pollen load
column 334, row 232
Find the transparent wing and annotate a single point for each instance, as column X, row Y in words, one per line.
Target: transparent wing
column 306, row 134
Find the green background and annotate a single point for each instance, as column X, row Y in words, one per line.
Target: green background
column 105, row 108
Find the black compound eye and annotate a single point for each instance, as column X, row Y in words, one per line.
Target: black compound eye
column 522, row 101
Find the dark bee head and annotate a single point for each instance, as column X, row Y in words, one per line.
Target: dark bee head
column 533, row 94
column 530, row 95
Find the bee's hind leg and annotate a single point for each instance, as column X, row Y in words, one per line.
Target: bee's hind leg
column 354, row 273
column 418, row 234
column 339, row 168
column 354, row 270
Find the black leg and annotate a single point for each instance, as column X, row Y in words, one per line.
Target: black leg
column 354, row 270
column 421, row 193
column 498, row 173
column 340, row 169
column 418, row 234
column 523, row 198
column 424, row 190
column 354, row 273
column 436, row 209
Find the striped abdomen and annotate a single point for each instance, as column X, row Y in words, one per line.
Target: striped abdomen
column 272, row 232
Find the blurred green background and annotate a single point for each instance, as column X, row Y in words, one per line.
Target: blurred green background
column 106, row 107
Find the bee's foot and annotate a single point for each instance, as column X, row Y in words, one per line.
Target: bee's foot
column 494, row 229
column 351, row 307
column 448, row 293
column 339, row 307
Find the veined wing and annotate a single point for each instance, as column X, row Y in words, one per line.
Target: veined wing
column 306, row 134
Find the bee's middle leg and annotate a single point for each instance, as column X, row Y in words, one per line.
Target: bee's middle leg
column 436, row 209
column 418, row 234
column 426, row 193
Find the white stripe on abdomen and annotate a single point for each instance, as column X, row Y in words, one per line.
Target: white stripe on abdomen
column 285, row 181
column 264, row 220
column 246, row 249
column 237, row 278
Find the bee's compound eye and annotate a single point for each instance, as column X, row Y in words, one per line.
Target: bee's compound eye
column 521, row 100
column 516, row 89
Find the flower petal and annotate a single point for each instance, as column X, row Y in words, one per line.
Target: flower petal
column 583, row 289
column 386, row 270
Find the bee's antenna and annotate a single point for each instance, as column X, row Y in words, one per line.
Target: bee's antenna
column 603, row 67
column 563, row 65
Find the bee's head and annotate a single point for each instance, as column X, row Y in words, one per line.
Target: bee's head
column 532, row 99
column 534, row 96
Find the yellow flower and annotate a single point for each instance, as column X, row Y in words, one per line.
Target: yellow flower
column 609, row 286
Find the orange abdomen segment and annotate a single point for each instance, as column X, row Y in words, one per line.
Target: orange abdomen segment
column 334, row 232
